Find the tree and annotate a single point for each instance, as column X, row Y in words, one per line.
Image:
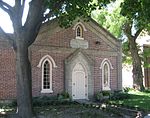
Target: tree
column 25, row 34
column 136, row 11
column 109, row 17
column 128, row 21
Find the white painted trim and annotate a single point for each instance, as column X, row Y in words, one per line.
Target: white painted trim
column 108, row 63
column 79, row 23
column 49, row 58
column 46, row 91
column 106, row 60
column 42, row 89
column 80, row 38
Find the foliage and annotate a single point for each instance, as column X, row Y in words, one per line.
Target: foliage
column 126, row 89
column 44, row 101
column 101, row 95
column 137, row 10
column 50, row 100
column 62, row 96
column 111, row 19
column 10, row 104
column 136, row 99
column 146, row 91
column 119, row 96
column 106, row 93
column 98, row 96
column 70, row 9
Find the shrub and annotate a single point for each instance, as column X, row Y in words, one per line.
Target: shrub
column 147, row 91
column 44, row 101
column 98, row 96
column 63, row 95
column 119, row 96
column 10, row 104
column 126, row 89
column 106, row 93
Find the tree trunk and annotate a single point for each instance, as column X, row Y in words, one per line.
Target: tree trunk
column 24, row 81
column 136, row 62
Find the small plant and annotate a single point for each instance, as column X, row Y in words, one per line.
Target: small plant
column 119, row 96
column 147, row 91
column 44, row 100
column 99, row 96
column 126, row 89
column 63, row 96
column 106, row 93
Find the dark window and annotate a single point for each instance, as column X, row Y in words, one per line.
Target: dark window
column 46, row 75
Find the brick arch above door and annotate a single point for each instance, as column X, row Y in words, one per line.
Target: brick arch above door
column 79, row 57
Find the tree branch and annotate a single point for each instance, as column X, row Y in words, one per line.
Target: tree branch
column 6, row 7
column 56, row 6
column 33, row 24
column 5, row 4
column 127, row 30
column 137, row 33
column 22, row 6
column 6, row 36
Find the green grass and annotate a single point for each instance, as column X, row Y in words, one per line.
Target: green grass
column 140, row 100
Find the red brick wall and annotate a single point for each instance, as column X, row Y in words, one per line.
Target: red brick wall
column 51, row 44
column 7, row 74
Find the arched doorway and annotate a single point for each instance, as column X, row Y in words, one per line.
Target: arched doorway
column 79, row 82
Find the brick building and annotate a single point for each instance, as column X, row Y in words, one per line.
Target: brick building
column 82, row 59
column 147, row 64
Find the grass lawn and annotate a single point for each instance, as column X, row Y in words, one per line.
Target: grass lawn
column 136, row 99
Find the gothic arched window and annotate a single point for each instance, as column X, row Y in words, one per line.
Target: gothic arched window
column 79, row 31
column 106, row 72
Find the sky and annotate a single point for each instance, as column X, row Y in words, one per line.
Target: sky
column 5, row 21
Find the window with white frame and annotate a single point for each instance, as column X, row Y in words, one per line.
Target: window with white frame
column 47, row 63
column 79, row 32
column 46, row 76
column 106, row 68
column 106, row 75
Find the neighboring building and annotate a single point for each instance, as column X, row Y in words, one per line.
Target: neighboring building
column 147, row 66
column 82, row 59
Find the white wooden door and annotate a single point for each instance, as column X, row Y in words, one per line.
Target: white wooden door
column 78, row 82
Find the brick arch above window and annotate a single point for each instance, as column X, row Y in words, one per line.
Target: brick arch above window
column 49, row 58
column 106, row 67
column 81, row 24
column 104, row 61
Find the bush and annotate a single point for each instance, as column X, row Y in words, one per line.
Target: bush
column 63, row 95
column 98, row 96
column 126, row 89
column 62, row 98
column 147, row 91
column 106, row 93
column 102, row 96
column 119, row 96
column 10, row 104
column 44, row 101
